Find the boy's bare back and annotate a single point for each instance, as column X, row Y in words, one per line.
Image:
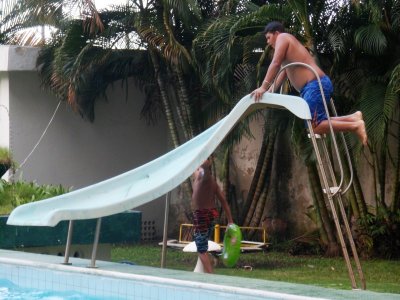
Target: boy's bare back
column 206, row 191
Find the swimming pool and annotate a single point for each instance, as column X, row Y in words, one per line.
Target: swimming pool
column 27, row 270
column 8, row 291
column 125, row 286
column 135, row 282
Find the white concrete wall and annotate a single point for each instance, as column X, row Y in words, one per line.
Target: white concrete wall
column 74, row 152
column 4, row 105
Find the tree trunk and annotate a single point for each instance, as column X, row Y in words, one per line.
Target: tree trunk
column 382, row 175
column 263, row 197
column 263, row 183
column 316, row 194
column 164, row 97
column 257, row 192
column 362, row 205
column 256, row 178
column 396, row 181
column 185, row 103
column 226, row 185
column 186, row 185
column 180, row 114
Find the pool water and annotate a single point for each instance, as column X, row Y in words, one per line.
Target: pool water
column 10, row 291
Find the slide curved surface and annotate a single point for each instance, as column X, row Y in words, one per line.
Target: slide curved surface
column 151, row 180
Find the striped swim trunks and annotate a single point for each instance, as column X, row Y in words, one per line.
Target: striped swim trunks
column 204, row 221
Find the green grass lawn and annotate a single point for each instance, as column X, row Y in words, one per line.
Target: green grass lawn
column 381, row 275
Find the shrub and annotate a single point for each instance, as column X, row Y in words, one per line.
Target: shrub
column 384, row 229
column 20, row 192
column 5, row 161
column 4, row 155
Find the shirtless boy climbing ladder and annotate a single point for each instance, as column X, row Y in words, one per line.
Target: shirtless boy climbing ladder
column 289, row 50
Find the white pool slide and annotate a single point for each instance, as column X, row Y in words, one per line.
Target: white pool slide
column 151, row 180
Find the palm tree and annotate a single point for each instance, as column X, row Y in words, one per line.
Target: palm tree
column 232, row 45
column 195, row 59
column 80, row 60
column 20, row 20
column 368, row 73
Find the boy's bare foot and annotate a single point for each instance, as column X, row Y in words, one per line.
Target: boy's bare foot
column 357, row 116
column 361, row 132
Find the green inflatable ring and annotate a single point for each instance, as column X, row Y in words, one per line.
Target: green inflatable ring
column 232, row 242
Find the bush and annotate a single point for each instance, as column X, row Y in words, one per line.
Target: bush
column 384, row 229
column 4, row 155
column 6, row 161
column 20, row 192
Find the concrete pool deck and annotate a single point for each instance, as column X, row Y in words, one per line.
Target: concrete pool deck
column 127, row 271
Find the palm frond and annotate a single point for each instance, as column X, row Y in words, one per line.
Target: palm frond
column 348, row 84
column 394, row 82
column 77, row 70
column 337, row 40
column 89, row 14
column 375, row 9
column 372, row 104
column 184, row 9
column 21, row 20
column 371, row 40
column 229, row 40
column 244, row 75
column 390, row 104
column 396, row 17
column 22, row 15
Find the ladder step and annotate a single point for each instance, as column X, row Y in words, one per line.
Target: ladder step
column 333, row 189
column 317, row 136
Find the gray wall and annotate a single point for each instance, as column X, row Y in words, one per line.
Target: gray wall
column 74, row 152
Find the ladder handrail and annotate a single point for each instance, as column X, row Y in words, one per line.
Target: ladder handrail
column 347, row 153
column 327, row 113
column 329, row 177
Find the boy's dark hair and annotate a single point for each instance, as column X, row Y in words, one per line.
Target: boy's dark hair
column 273, row 27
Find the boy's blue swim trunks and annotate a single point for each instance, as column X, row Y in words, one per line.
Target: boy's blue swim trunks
column 312, row 94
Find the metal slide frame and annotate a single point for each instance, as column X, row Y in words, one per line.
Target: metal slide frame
column 95, row 243
column 331, row 188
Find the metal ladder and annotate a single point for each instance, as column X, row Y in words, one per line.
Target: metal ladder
column 329, row 183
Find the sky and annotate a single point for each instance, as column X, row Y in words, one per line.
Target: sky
column 104, row 3
column 100, row 4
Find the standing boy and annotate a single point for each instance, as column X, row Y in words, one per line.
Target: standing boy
column 205, row 190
